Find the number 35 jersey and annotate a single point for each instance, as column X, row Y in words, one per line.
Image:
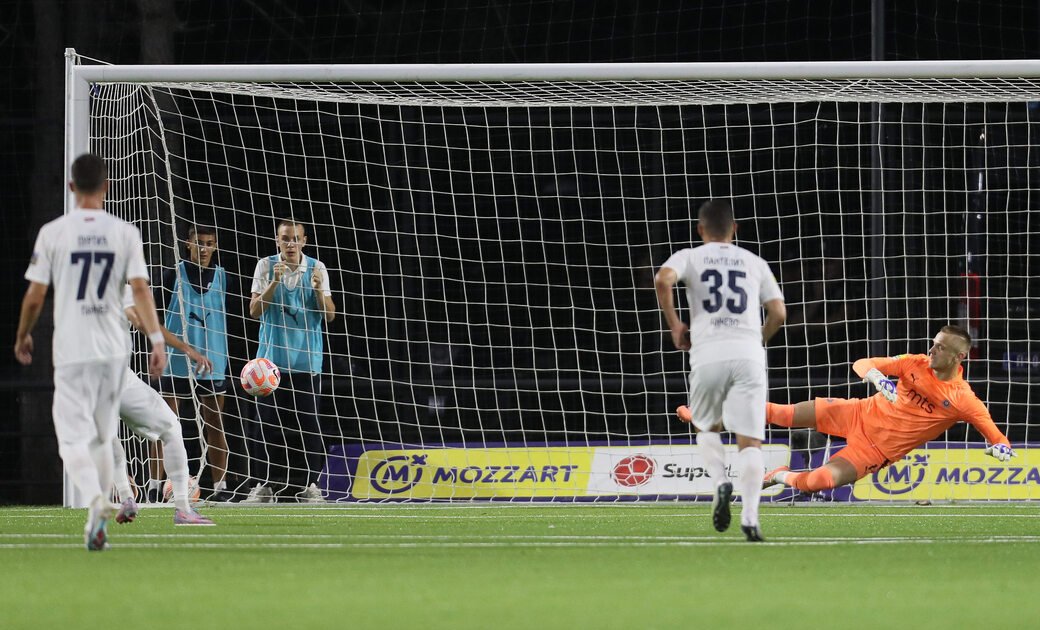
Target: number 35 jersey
column 726, row 286
column 88, row 255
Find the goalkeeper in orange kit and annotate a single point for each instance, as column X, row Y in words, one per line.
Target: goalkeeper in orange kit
column 931, row 396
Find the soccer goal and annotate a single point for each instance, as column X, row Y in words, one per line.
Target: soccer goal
column 491, row 234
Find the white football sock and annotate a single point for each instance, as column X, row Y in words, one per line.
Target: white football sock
column 751, row 468
column 101, row 453
column 80, row 465
column 122, row 481
column 176, row 460
column 219, row 486
column 714, row 455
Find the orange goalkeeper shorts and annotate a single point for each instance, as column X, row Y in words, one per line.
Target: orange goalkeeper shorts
column 844, row 418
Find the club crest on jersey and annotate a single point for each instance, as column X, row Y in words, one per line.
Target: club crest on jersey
column 946, row 403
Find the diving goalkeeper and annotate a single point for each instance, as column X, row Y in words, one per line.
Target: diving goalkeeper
column 931, row 396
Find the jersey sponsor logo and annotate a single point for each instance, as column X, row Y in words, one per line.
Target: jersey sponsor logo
column 291, row 312
column 634, row 470
column 919, row 400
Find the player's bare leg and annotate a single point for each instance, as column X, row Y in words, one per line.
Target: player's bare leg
column 216, row 444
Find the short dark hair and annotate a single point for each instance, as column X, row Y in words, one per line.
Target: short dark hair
column 957, row 331
column 290, row 223
column 716, row 216
column 89, row 173
column 196, row 230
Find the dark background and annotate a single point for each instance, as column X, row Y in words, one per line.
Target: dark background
column 433, row 348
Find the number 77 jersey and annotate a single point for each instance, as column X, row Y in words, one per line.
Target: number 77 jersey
column 726, row 286
column 88, row 255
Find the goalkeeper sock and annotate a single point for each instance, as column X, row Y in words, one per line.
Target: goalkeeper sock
column 809, row 481
column 751, row 469
column 780, row 415
column 714, row 455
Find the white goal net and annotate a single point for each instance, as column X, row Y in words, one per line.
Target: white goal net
column 491, row 242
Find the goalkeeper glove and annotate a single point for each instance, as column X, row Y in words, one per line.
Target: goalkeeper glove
column 882, row 384
column 1002, row 452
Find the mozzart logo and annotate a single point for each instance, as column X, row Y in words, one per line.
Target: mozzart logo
column 954, row 474
column 902, row 476
column 398, row 474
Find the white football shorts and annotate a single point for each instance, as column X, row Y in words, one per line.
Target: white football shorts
column 733, row 392
column 143, row 410
column 86, row 400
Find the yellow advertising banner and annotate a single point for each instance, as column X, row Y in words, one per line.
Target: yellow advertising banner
column 955, row 473
column 457, row 473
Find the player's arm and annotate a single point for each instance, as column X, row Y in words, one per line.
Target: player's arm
column 32, row 306
column 148, row 322
column 320, row 280
column 876, row 370
column 978, row 416
column 202, row 364
column 776, row 314
column 263, row 296
column 664, row 283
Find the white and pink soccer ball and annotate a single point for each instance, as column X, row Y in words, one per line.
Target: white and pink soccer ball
column 260, row 377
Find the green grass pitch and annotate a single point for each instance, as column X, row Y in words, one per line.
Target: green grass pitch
column 637, row 567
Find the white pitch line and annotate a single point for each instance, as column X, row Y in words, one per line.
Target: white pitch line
column 262, row 515
column 210, row 534
column 519, row 545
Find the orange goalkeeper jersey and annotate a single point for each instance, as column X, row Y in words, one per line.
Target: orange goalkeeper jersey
column 925, row 409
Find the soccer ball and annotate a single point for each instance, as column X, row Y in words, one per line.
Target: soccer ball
column 260, row 377
column 194, row 492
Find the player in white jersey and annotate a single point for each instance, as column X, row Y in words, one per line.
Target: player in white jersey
column 89, row 255
column 145, row 413
column 726, row 287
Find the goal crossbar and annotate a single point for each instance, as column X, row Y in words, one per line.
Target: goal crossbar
column 962, row 69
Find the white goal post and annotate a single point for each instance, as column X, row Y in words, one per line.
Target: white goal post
column 491, row 233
